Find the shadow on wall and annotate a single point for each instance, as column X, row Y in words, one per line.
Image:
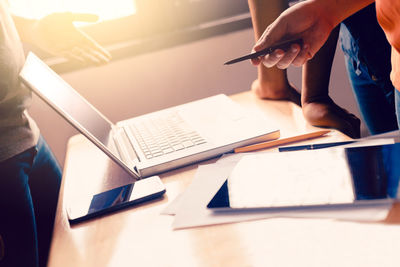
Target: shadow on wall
column 141, row 84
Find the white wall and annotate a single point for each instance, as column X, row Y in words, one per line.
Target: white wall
column 148, row 82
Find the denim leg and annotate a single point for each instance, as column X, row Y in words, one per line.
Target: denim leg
column 29, row 186
column 17, row 223
column 373, row 93
column 375, row 104
column 44, row 181
column 397, row 99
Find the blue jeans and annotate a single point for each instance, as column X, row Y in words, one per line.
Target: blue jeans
column 29, row 187
column 397, row 100
column 367, row 56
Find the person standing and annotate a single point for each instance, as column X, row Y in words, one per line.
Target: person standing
column 30, row 176
column 314, row 20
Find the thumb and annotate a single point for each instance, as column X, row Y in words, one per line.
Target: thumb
column 273, row 34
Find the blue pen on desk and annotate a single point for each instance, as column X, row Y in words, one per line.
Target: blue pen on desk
column 314, row 146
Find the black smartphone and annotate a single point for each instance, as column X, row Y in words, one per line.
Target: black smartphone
column 116, row 199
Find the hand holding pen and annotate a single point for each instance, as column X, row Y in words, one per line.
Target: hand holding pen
column 309, row 21
column 285, row 46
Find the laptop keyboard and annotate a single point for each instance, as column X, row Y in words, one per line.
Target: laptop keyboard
column 164, row 135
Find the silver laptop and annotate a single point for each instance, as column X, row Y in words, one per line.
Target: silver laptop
column 158, row 141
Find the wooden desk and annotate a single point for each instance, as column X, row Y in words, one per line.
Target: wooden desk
column 142, row 237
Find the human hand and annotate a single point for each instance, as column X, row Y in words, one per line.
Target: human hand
column 308, row 21
column 325, row 113
column 57, row 34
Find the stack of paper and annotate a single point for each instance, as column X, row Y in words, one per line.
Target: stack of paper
column 190, row 208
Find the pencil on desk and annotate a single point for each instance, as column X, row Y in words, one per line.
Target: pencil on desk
column 282, row 141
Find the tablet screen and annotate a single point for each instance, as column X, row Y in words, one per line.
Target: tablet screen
column 311, row 178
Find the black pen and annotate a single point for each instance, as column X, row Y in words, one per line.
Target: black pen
column 314, row 146
column 284, row 46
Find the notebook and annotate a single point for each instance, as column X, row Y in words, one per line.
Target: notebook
column 159, row 141
column 332, row 177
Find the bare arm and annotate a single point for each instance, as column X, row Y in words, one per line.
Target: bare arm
column 318, row 108
column 271, row 83
column 316, row 86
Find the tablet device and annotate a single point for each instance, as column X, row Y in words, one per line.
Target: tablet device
column 333, row 177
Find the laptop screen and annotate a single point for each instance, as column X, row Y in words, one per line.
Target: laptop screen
column 72, row 106
column 64, row 99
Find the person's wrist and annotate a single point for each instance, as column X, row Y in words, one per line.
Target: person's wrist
column 328, row 11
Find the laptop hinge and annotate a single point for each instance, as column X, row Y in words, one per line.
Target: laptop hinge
column 124, row 147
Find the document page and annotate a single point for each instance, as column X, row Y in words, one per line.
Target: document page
column 291, row 179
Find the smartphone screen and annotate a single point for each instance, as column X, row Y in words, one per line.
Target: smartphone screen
column 116, row 199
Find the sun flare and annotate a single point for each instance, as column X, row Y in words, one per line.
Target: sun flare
column 105, row 9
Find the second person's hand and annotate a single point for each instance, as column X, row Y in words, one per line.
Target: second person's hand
column 308, row 21
column 57, row 34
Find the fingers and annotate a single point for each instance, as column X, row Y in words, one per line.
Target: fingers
column 95, row 48
column 303, row 56
column 273, row 58
column 295, row 55
column 272, row 34
column 255, row 61
column 288, row 57
column 285, row 54
column 86, row 55
column 88, row 50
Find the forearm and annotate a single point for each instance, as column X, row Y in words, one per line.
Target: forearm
column 24, row 27
column 338, row 10
column 317, row 71
column 272, row 82
column 318, row 108
column 264, row 13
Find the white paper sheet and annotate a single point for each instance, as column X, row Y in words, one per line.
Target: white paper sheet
column 190, row 207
